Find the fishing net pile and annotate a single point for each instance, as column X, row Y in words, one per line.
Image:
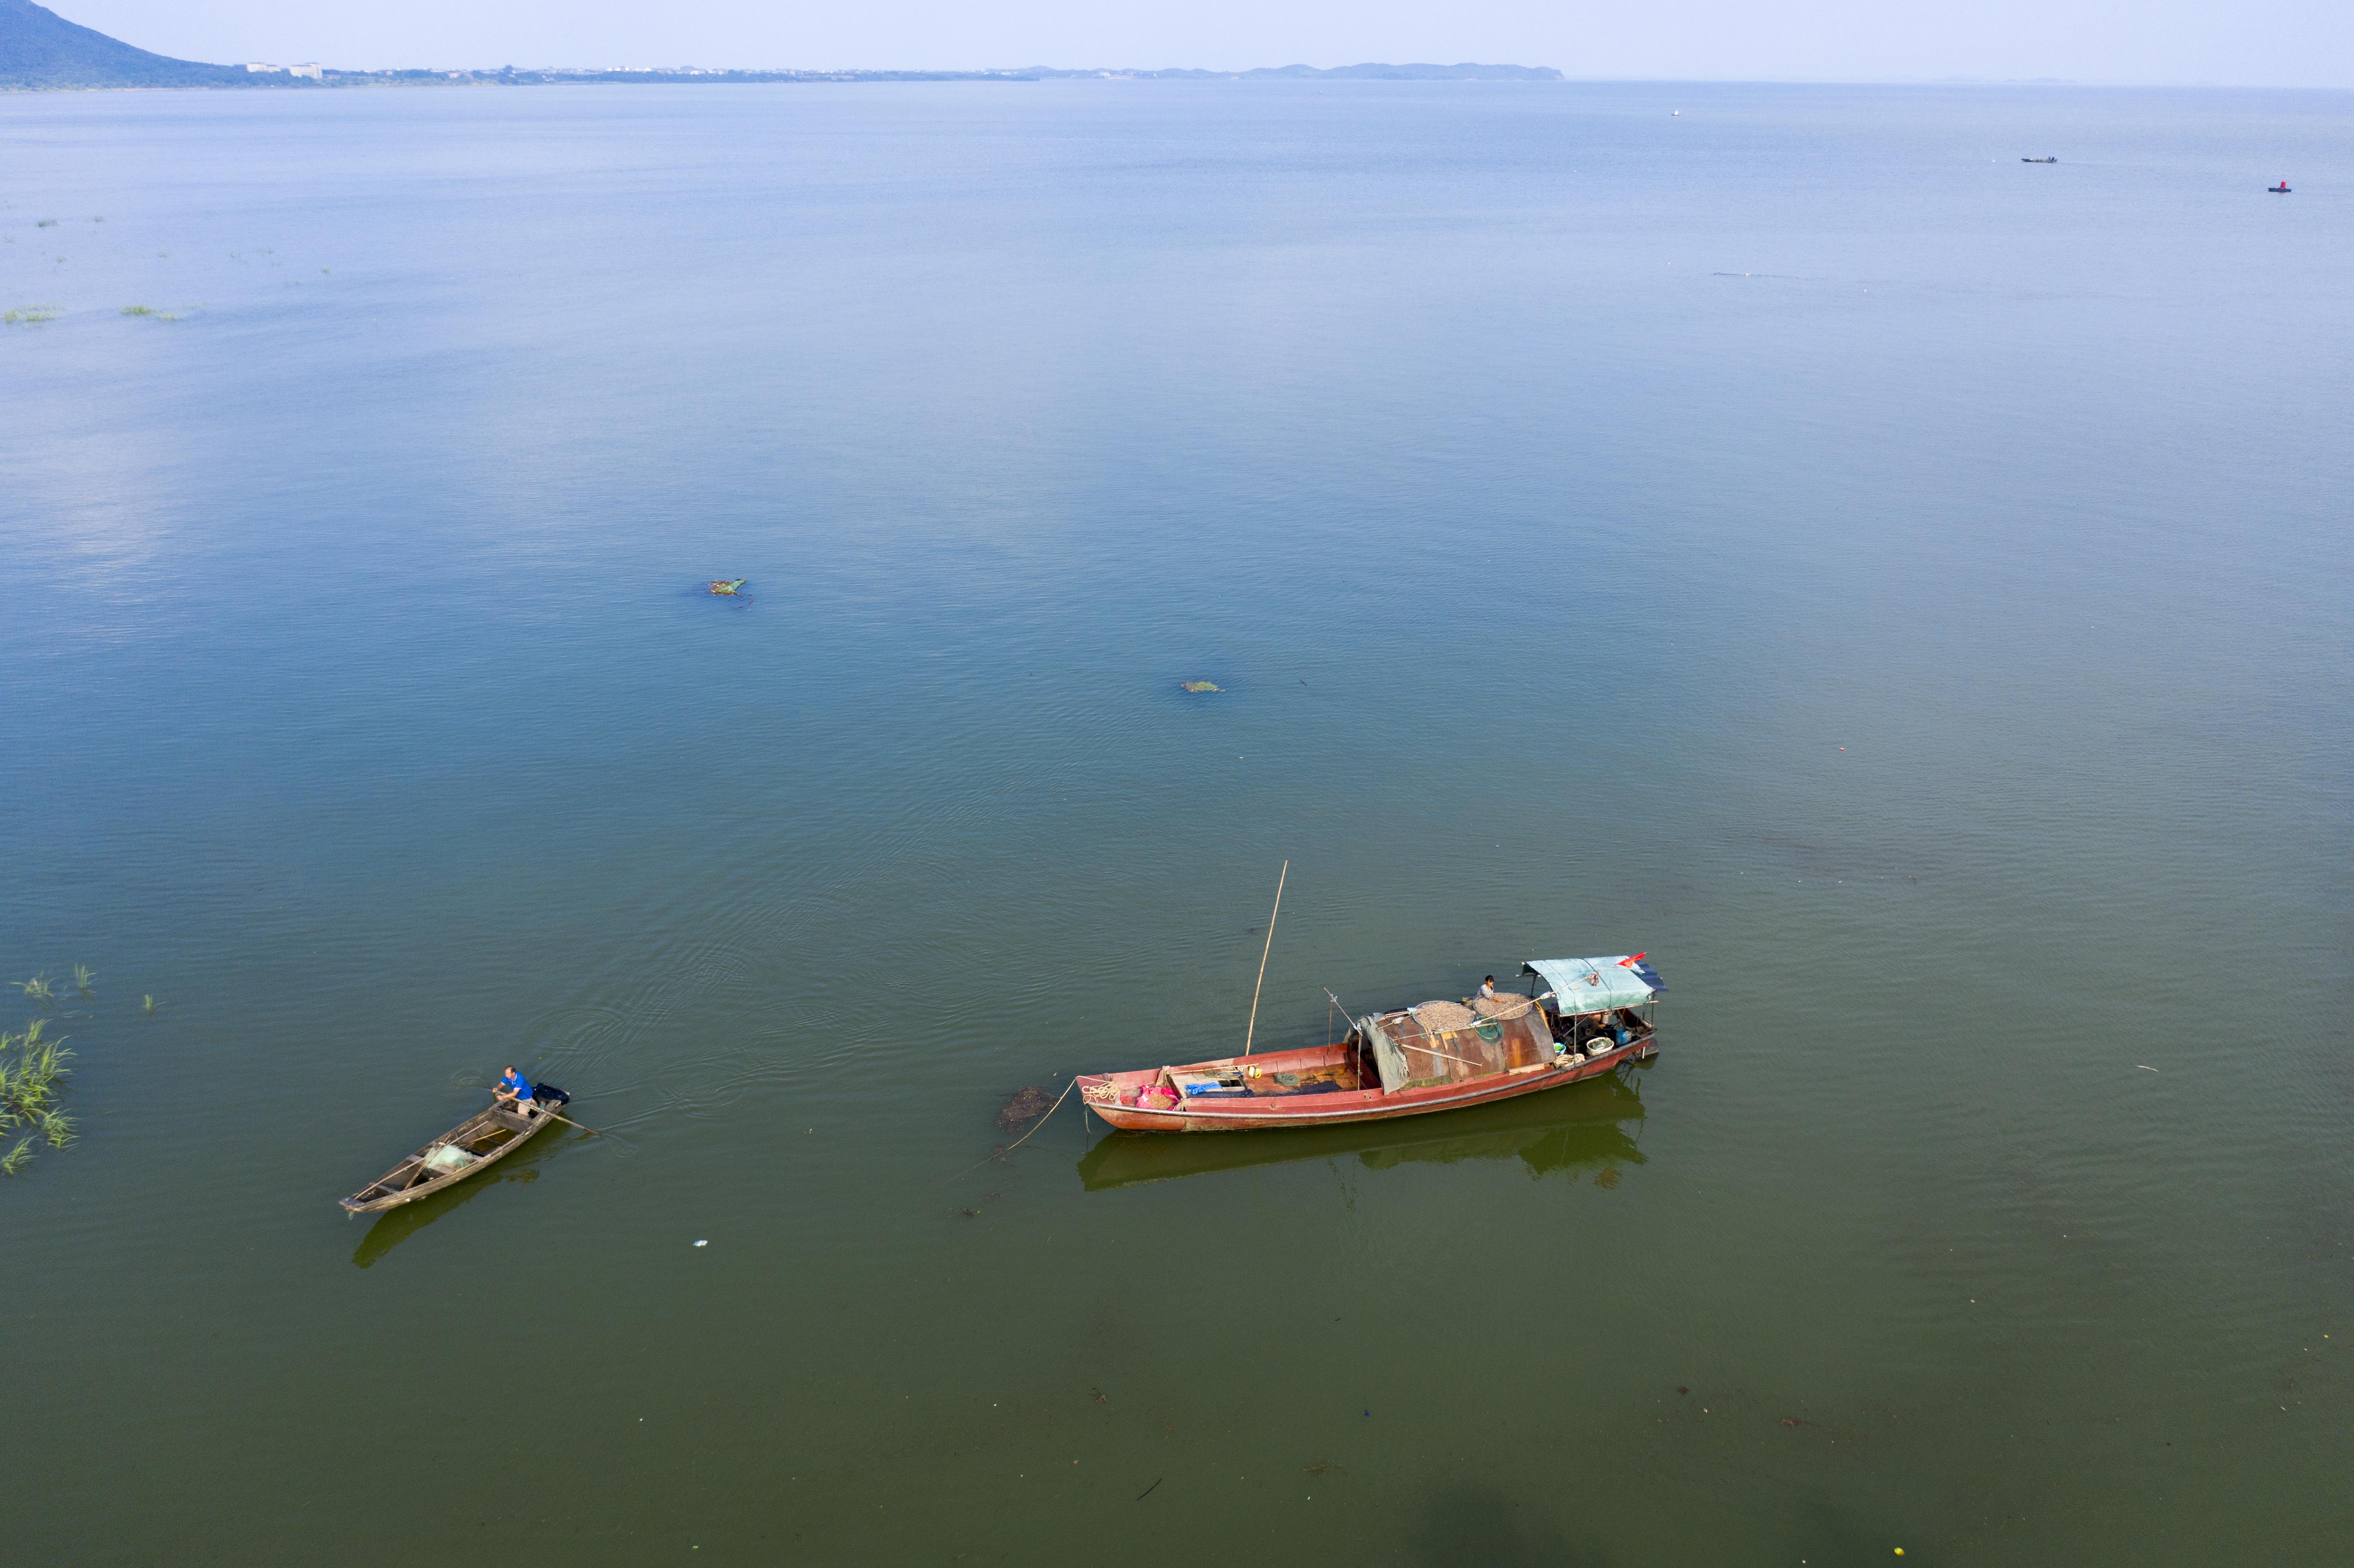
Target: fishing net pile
column 1439, row 1017
column 1443, row 1017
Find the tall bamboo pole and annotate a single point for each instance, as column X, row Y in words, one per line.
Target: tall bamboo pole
column 1251, row 1032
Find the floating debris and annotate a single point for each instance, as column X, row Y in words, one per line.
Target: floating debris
column 730, row 588
column 1794, row 1421
column 1200, row 686
column 1605, row 1178
column 1026, row 1105
column 1325, row 1469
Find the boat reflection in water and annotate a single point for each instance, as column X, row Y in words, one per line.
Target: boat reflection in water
column 396, row 1225
column 1591, row 1125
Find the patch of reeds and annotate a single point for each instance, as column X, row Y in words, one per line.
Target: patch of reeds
column 30, row 316
column 38, row 989
column 31, row 1069
column 84, row 980
column 152, row 1005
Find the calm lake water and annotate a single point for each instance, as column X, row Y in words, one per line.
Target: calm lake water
column 1905, row 591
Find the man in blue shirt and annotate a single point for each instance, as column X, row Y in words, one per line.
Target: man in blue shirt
column 512, row 1092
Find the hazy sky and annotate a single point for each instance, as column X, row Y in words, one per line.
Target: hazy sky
column 2267, row 42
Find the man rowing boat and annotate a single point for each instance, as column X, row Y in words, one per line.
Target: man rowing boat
column 512, row 1093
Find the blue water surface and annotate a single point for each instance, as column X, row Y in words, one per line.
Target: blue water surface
column 1903, row 589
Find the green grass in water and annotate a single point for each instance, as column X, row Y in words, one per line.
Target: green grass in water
column 30, row 1071
column 30, row 316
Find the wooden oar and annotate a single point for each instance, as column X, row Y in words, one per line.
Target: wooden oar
column 565, row 1120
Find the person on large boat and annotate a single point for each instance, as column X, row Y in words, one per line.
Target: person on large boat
column 512, row 1093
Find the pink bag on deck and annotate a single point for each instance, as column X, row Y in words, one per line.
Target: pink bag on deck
column 1155, row 1096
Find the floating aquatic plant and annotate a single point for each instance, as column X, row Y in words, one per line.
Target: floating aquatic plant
column 30, row 316
column 1202, row 686
column 152, row 313
column 46, row 223
column 30, row 1068
column 33, row 1071
column 150, row 1009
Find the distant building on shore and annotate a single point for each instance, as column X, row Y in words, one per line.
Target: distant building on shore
column 313, row 69
column 257, row 65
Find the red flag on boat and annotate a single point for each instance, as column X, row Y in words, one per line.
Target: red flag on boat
column 1630, row 963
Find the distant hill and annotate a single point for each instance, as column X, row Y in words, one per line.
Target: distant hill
column 40, row 49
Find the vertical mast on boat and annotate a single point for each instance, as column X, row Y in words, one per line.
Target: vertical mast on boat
column 1251, row 1032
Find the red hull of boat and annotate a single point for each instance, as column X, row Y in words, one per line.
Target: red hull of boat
column 1206, row 1115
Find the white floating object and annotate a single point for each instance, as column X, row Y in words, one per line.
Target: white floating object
column 703, row 1243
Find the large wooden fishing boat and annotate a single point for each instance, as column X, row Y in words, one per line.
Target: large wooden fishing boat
column 466, row 1150
column 1438, row 1056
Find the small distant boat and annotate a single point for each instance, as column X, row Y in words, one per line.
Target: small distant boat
column 466, row 1150
column 2039, row 159
column 2280, row 189
column 1439, row 1055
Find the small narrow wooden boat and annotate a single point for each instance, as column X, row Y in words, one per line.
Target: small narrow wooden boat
column 466, row 1150
column 1438, row 1055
